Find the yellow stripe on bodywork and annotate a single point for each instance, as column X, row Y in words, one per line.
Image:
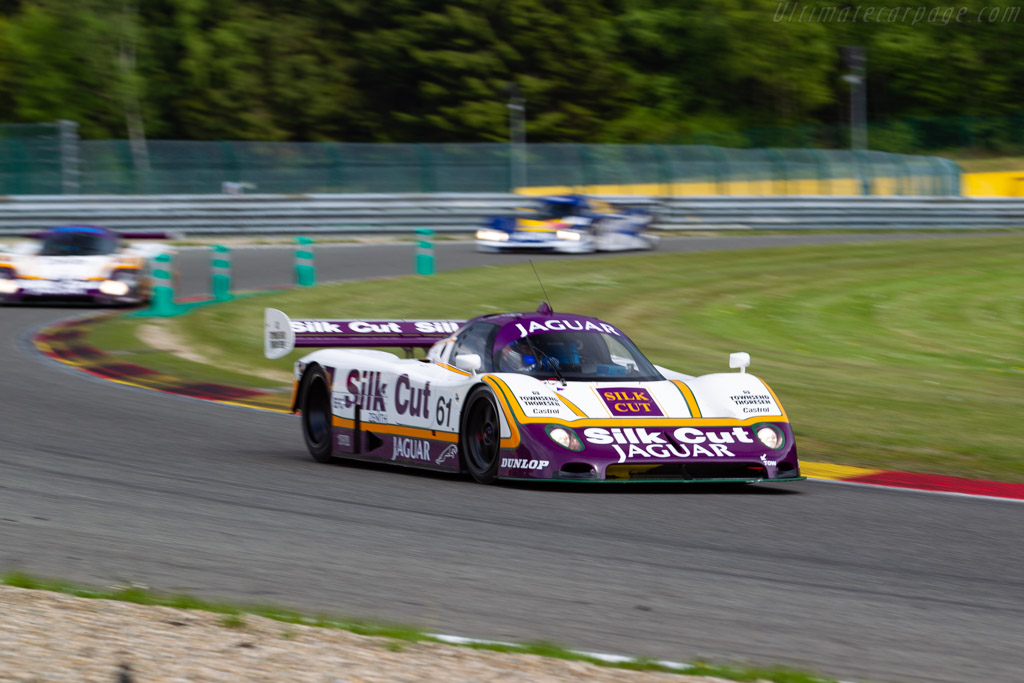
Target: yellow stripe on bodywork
column 820, row 470
column 397, row 430
column 691, row 400
column 506, row 399
column 571, row 405
column 777, row 401
column 36, row 277
column 533, row 225
column 454, row 369
column 295, row 397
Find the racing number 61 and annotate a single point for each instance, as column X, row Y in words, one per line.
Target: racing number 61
column 443, row 411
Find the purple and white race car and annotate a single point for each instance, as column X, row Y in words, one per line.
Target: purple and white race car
column 82, row 263
column 527, row 396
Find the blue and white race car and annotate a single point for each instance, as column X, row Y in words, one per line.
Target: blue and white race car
column 570, row 224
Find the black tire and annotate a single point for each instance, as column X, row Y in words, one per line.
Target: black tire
column 315, row 406
column 480, row 436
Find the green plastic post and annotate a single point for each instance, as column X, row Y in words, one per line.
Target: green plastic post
column 220, row 282
column 162, row 304
column 305, row 273
column 425, row 252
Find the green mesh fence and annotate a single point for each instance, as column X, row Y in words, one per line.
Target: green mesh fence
column 997, row 135
column 35, row 161
column 31, row 159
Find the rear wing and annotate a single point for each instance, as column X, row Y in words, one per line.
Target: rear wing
column 281, row 334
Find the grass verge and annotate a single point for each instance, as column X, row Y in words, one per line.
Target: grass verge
column 154, row 343
column 234, row 618
column 898, row 355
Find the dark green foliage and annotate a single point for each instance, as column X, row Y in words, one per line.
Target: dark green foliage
column 436, row 71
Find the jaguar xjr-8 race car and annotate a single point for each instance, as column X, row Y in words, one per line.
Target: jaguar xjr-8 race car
column 569, row 224
column 527, row 396
column 79, row 263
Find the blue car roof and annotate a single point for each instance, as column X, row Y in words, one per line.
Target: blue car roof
column 88, row 229
column 573, row 200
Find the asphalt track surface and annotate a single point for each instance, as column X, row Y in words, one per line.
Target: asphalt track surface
column 108, row 485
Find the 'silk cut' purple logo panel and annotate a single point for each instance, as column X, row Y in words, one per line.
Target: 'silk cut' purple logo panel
column 629, row 402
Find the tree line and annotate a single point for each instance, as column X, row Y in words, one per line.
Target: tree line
column 435, row 71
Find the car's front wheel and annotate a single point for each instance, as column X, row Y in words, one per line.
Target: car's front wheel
column 315, row 406
column 480, row 436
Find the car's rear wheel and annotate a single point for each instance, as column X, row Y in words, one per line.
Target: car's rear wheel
column 480, row 436
column 315, row 406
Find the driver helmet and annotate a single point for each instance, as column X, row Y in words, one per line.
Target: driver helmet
column 517, row 356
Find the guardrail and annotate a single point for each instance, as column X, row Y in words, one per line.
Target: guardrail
column 455, row 213
column 855, row 213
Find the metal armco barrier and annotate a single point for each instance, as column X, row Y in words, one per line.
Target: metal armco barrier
column 855, row 213
column 463, row 213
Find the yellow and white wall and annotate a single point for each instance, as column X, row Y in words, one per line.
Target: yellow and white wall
column 996, row 184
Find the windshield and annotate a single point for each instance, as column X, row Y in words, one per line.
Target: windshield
column 550, row 211
column 78, row 243
column 587, row 356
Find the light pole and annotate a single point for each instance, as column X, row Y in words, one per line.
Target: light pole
column 516, row 137
column 856, row 62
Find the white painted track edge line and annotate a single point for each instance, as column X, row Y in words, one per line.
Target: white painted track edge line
column 680, row 667
column 609, row 658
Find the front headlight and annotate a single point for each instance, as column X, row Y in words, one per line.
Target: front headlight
column 570, row 235
column 8, row 286
column 114, row 287
column 565, row 437
column 492, row 235
column 770, row 435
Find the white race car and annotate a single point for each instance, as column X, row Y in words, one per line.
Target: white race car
column 533, row 396
column 80, row 263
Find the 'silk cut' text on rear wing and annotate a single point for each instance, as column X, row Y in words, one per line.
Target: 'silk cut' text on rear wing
column 281, row 334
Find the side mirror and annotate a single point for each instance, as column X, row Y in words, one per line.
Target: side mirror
column 470, row 362
column 739, row 360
